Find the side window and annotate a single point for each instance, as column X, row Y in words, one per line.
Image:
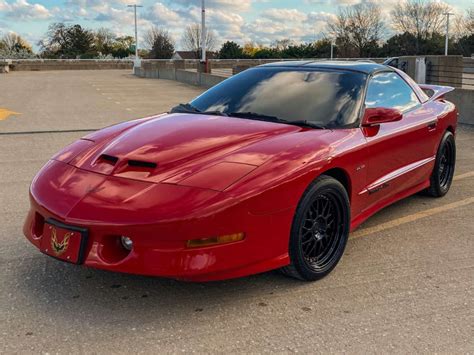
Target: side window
column 390, row 91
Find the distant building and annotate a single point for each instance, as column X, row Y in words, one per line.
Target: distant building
column 184, row 55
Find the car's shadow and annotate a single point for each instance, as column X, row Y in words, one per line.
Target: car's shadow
column 66, row 292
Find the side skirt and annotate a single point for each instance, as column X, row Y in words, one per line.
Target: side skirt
column 358, row 220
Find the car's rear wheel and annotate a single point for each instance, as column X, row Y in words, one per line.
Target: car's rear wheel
column 443, row 172
column 320, row 230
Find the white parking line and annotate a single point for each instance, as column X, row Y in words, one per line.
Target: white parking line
column 464, row 176
column 411, row 218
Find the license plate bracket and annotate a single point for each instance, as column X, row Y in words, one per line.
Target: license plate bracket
column 64, row 242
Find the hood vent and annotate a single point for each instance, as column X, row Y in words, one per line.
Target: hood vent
column 142, row 164
column 108, row 159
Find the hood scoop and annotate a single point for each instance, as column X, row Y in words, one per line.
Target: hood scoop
column 109, row 164
column 108, row 159
column 142, row 164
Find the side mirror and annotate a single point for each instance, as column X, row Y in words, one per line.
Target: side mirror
column 378, row 115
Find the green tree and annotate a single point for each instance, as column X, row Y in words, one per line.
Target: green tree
column 104, row 40
column 404, row 43
column 465, row 45
column 65, row 41
column 267, row 53
column 231, row 50
column 123, row 47
column 160, row 43
column 322, row 49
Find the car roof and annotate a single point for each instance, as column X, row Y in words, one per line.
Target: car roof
column 367, row 67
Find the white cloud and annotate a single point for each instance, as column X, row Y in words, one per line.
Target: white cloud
column 23, row 10
column 230, row 5
column 285, row 15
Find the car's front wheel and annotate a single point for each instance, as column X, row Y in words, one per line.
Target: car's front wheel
column 443, row 172
column 320, row 230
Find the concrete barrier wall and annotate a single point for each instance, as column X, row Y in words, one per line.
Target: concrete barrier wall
column 41, row 65
column 464, row 101
column 157, row 71
column 165, row 73
column 209, row 80
column 187, row 77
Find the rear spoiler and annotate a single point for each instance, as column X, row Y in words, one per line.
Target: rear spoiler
column 435, row 92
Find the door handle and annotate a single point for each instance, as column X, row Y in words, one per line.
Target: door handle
column 432, row 126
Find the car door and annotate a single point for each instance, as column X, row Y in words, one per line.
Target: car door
column 400, row 153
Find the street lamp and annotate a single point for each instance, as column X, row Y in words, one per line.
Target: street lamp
column 203, row 31
column 447, row 32
column 137, row 60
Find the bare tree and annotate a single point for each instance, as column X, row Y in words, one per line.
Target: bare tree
column 421, row 18
column 191, row 39
column 358, row 28
column 104, row 40
column 464, row 25
column 153, row 34
column 14, row 42
column 469, row 21
column 283, row 44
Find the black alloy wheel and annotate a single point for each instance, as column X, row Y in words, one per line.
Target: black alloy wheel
column 320, row 230
column 443, row 172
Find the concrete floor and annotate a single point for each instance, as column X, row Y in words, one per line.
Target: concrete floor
column 405, row 284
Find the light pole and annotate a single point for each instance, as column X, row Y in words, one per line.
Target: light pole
column 332, row 49
column 137, row 60
column 447, row 32
column 203, row 31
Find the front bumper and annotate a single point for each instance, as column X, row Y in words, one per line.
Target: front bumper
column 160, row 245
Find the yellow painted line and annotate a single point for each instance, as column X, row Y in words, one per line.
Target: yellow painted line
column 464, row 176
column 5, row 113
column 412, row 218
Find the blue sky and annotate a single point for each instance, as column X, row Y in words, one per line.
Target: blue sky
column 259, row 21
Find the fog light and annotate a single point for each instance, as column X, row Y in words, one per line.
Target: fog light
column 127, row 243
column 223, row 239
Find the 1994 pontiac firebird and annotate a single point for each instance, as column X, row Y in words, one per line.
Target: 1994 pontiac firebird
column 270, row 169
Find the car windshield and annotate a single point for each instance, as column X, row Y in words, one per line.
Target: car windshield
column 316, row 98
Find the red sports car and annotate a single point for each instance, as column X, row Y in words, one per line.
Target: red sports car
column 270, row 169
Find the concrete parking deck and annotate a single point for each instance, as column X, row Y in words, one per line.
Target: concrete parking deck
column 405, row 284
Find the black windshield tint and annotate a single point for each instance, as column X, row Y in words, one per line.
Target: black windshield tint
column 327, row 98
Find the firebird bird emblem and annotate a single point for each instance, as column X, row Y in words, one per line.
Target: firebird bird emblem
column 59, row 247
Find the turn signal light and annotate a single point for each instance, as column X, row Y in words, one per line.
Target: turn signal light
column 224, row 239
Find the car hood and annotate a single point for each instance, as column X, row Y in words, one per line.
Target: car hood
column 170, row 148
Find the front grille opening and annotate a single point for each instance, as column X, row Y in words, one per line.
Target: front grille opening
column 142, row 164
column 108, row 159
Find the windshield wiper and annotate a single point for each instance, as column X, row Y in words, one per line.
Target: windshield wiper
column 256, row 116
column 188, row 108
column 305, row 123
column 184, row 108
column 260, row 117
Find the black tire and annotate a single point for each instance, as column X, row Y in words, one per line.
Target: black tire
column 443, row 172
column 319, row 231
